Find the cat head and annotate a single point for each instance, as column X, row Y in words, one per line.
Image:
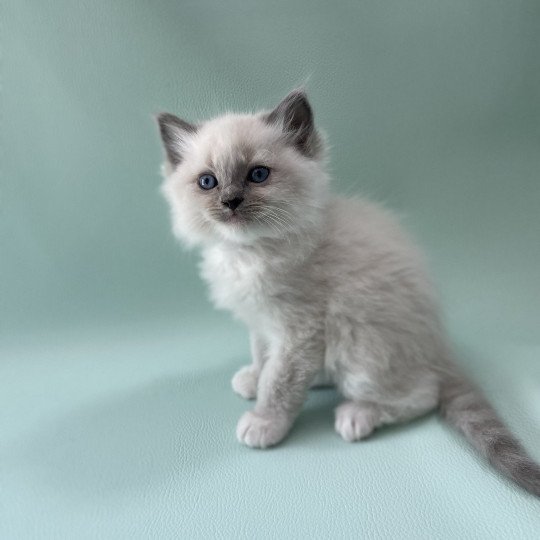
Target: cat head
column 243, row 177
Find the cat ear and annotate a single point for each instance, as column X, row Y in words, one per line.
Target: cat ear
column 174, row 132
column 295, row 116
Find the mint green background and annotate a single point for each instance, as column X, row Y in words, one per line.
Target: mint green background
column 116, row 417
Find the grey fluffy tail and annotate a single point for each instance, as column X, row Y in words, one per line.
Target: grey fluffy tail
column 464, row 407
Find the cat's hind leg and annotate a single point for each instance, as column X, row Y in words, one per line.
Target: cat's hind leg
column 356, row 420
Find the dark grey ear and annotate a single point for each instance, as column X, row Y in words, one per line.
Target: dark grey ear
column 174, row 132
column 295, row 116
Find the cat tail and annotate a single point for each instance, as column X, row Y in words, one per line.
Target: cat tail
column 464, row 407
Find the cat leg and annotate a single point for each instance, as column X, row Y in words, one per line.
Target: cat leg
column 282, row 389
column 245, row 380
column 356, row 420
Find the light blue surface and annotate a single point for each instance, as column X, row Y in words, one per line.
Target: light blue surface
column 116, row 414
column 132, row 436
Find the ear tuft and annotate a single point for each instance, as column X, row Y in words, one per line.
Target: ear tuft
column 295, row 116
column 174, row 132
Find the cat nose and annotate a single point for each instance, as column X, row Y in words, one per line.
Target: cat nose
column 233, row 204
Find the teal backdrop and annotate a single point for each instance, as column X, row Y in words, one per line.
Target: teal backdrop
column 116, row 416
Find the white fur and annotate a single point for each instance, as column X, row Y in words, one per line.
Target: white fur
column 331, row 288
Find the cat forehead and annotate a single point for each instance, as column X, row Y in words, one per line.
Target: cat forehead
column 247, row 137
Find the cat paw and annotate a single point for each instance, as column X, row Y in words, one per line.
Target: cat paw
column 260, row 431
column 244, row 382
column 354, row 421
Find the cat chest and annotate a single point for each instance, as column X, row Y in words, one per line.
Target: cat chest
column 239, row 284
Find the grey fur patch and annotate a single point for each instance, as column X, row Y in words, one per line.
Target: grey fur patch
column 173, row 131
column 295, row 116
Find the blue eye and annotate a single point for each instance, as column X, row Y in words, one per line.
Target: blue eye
column 207, row 181
column 258, row 174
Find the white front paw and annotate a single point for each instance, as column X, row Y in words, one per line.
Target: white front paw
column 260, row 431
column 245, row 381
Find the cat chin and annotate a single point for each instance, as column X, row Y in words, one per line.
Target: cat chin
column 233, row 232
column 237, row 232
column 242, row 233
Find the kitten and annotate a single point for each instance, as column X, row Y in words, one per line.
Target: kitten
column 331, row 288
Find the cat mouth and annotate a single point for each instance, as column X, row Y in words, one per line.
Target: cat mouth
column 233, row 218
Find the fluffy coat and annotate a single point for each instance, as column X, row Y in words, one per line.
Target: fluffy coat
column 331, row 289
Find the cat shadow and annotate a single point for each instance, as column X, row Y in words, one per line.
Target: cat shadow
column 316, row 419
column 174, row 428
column 171, row 427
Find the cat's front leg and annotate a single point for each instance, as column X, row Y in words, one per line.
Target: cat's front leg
column 245, row 380
column 282, row 389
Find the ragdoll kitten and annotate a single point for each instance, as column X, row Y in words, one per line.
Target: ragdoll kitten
column 331, row 288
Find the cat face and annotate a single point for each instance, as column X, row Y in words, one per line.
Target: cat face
column 244, row 177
